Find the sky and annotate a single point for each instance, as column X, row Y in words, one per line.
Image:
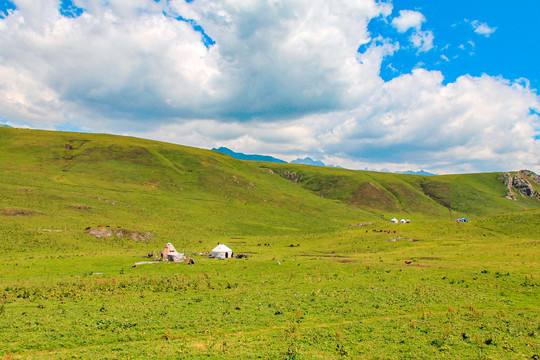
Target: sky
column 443, row 86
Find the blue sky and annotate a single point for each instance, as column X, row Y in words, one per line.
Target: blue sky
column 510, row 51
column 445, row 86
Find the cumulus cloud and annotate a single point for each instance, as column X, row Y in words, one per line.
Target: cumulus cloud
column 114, row 61
column 423, row 40
column 294, row 57
column 126, row 60
column 481, row 124
column 414, row 121
column 482, row 28
column 24, row 98
column 283, row 78
column 408, row 19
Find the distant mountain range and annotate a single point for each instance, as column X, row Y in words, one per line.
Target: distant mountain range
column 4, row 125
column 421, row 172
column 308, row 161
column 304, row 161
column 242, row 156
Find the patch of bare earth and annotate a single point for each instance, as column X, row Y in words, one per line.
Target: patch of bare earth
column 19, row 212
column 119, row 233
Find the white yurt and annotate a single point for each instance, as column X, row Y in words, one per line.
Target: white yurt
column 175, row 256
column 403, row 221
column 394, row 220
column 166, row 250
column 221, row 251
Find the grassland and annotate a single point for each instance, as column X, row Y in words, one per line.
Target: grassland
column 429, row 289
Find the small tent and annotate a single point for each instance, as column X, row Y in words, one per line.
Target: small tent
column 175, row 256
column 221, row 251
column 166, row 250
column 403, row 221
column 394, row 221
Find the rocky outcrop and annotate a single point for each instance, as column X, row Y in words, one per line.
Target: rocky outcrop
column 292, row 176
column 19, row 212
column 99, row 233
column 518, row 182
column 119, row 233
column 532, row 175
column 360, row 224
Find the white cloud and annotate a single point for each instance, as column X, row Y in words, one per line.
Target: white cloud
column 284, row 78
column 408, row 19
column 414, row 121
column 423, row 40
column 482, row 28
column 124, row 59
column 114, row 62
column 473, row 124
column 24, row 98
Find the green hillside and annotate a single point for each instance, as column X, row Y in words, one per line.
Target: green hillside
column 134, row 181
column 313, row 286
column 176, row 192
column 468, row 195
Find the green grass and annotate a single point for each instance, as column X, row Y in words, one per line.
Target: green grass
column 463, row 295
column 467, row 291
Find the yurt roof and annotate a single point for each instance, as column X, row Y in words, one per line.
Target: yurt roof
column 221, row 248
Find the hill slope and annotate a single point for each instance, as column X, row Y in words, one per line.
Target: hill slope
column 59, row 179
column 311, row 286
column 67, row 180
column 432, row 196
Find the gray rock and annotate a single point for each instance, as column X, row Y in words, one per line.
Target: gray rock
column 521, row 184
column 292, row 176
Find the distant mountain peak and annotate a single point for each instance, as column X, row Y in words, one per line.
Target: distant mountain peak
column 411, row 172
column 308, row 161
column 241, row 156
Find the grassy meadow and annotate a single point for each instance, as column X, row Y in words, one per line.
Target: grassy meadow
column 313, row 287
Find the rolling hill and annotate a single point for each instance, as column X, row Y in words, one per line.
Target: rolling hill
column 77, row 179
column 78, row 211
